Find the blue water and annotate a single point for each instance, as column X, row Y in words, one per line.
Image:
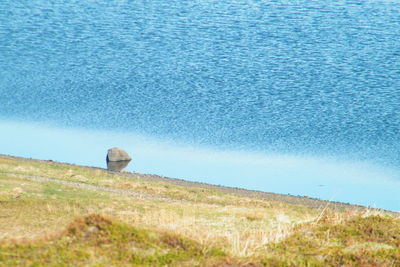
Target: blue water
column 298, row 97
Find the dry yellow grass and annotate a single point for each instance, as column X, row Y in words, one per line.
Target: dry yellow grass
column 32, row 209
column 242, row 227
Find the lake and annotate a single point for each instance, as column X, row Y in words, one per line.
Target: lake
column 293, row 97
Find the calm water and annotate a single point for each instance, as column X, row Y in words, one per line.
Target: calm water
column 299, row 97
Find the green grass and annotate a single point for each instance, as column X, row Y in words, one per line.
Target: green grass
column 48, row 223
column 358, row 241
column 96, row 240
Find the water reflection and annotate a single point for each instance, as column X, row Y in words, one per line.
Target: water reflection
column 117, row 166
column 343, row 180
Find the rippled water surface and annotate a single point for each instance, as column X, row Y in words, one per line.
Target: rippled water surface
column 297, row 79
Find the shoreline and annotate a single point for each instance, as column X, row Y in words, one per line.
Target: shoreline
column 291, row 199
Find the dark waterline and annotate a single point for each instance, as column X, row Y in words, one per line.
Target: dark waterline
column 303, row 78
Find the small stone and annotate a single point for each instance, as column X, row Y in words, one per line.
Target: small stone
column 18, row 190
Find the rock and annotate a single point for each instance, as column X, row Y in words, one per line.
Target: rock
column 117, row 159
column 117, row 154
column 117, row 166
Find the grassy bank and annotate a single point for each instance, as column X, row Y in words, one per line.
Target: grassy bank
column 59, row 221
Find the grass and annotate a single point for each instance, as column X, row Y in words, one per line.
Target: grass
column 354, row 241
column 96, row 240
column 189, row 226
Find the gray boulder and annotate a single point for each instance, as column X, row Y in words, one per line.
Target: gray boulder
column 117, row 154
column 117, row 159
column 117, row 166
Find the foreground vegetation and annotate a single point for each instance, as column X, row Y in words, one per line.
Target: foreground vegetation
column 48, row 223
